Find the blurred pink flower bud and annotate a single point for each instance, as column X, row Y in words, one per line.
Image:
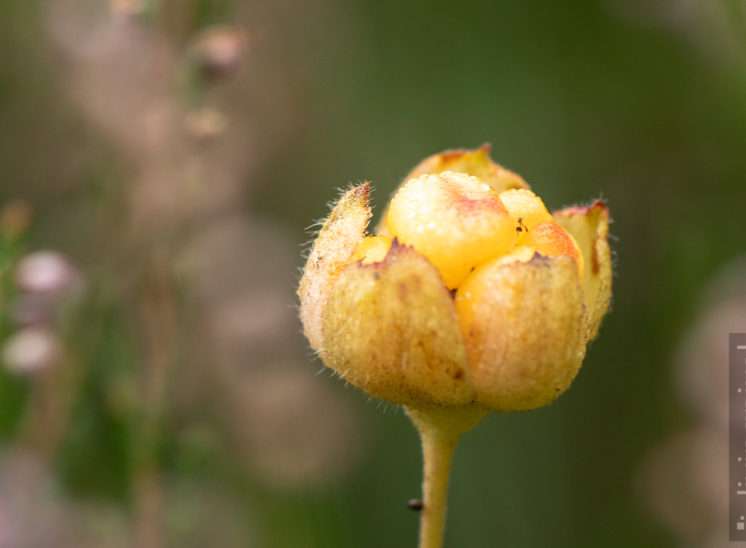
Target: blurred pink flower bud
column 30, row 350
column 47, row 272
column 219, row 50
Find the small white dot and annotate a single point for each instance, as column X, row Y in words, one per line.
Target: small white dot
column 739, row 390
column 739, row 459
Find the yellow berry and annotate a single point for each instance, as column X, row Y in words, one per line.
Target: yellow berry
column 527, row 208
column 550, row 239
column 454, row 219
column 372, row 249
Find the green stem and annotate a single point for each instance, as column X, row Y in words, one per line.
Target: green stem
column 440, row 429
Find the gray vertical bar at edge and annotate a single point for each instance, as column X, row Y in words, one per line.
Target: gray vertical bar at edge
column 737, row 436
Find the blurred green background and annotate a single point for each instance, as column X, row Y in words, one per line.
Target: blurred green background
column 173, row 166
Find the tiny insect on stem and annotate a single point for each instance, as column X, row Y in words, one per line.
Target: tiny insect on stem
column 415, row 504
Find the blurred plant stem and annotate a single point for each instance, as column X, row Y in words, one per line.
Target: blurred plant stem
column 52, row 394
column 149, row 508
column 156, row 304
column 440, row 429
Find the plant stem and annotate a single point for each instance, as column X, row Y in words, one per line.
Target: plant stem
column 440, row 429
column 437, row 451
column 53, row 393
column 158, row 321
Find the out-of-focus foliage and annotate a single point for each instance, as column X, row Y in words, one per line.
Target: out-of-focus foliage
column 163, row 158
